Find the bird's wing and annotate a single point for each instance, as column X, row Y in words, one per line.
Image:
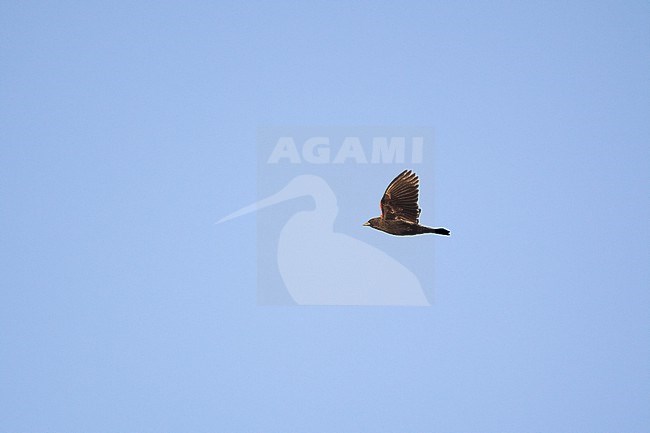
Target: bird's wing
column 400, row 201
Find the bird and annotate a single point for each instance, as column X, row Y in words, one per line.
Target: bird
column 399, row 209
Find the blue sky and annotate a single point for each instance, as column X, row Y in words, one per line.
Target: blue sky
column 128, row 129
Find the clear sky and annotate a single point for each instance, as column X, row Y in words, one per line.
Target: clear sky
column 128, row 128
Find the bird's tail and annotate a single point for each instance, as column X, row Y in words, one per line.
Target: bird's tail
column 437, row 230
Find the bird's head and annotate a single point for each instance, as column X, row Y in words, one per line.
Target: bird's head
column 372, row 222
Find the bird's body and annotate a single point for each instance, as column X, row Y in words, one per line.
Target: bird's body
column 399, row 209
column 403, row 228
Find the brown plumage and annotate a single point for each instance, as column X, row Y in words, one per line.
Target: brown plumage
column 399, row 209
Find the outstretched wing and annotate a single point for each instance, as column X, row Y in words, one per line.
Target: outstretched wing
column 400, row 201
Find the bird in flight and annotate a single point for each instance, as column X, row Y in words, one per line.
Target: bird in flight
column 399, row 209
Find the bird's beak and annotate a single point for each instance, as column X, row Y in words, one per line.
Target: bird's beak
column 366, row 224
column 279, row 197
